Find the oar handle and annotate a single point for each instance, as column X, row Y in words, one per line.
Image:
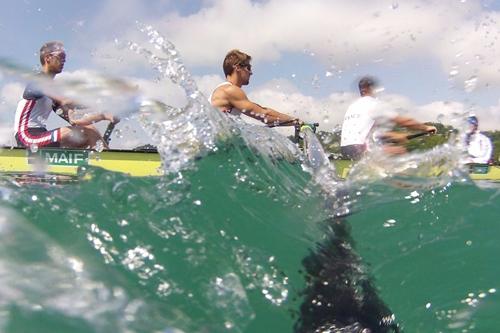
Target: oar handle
column 107, row 134
column 298, row 128
column 416, row 135
column 386, row 140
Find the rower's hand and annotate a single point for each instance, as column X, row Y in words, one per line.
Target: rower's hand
column 431, row 129
column 67, row 104
column 395, row 137
column 394, row 150
column 112, row 118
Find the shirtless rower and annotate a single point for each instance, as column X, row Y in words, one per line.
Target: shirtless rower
column 231, row 99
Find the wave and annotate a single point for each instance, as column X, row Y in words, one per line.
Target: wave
column 245, row 233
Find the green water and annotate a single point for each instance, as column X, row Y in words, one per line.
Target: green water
column 435, row 261
column 243, row 243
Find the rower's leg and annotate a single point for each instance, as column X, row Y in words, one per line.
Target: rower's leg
column 80, row 136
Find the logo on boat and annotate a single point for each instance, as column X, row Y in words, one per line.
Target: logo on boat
column 65, row 157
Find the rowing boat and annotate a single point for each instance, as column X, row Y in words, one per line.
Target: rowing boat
column 476, row 171
column 137, row 163
column 71, row 162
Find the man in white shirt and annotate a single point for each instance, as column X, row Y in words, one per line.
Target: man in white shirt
column 479, row 147
column 365, row 116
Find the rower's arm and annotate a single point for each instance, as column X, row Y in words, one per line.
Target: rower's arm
column 412, row 124
column 238, row 99
column 68, row 113
column 94, row 118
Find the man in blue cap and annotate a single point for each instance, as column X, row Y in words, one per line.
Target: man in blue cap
column 479, row 147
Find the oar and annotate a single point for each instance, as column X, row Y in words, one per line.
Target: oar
column 408, row 137
column 416, row 135
column 107, row 134
column 298, row 128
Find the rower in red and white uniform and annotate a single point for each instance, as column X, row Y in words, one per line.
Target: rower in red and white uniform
column 38, row 103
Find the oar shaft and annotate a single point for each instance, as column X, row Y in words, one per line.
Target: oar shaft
column 416, row 135
column 107, row 134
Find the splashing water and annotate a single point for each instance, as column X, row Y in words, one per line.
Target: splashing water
column 241, row 239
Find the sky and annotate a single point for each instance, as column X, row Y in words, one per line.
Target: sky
column 434, row 58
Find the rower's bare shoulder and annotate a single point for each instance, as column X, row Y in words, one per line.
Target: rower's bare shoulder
column 233, row 91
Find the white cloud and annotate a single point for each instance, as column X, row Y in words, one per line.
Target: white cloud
column 338, row 32
column 469, row 54
column 10, row 95
column 284, row 97
column 329, row 112
column 489, row 118
column 207, row 83
column 460, row 35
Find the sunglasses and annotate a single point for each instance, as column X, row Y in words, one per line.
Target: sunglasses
column 247, row 66
column 61, row 55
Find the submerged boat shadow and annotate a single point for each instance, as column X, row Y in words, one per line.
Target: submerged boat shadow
column 340, row 295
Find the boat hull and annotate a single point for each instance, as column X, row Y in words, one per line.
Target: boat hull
column 476, row 171
column 70, row 162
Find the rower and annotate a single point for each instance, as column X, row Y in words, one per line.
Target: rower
column 37, row 104
column 229, row 98
column 479, row 147
column 365, row 116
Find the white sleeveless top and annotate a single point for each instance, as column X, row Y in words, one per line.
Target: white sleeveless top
column 360, row 119
column 233, row 111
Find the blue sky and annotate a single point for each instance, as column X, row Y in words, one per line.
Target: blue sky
column 433, row 57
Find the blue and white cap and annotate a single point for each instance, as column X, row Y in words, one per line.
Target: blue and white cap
column 473, row 120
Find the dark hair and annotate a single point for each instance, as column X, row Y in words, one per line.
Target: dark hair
column 367, row 82
column 235, row 57
column 49, row 47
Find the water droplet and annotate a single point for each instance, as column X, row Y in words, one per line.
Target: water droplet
column 123, row 223
column 34, row 198
column 389, row 223
column 99, row 146
column 315, row 81
column 197, row 202
column 470, row 84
